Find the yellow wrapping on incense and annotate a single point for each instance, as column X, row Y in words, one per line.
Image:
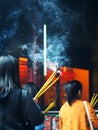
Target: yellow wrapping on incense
column 49, row 107
column 47, row 85
column 94, row 99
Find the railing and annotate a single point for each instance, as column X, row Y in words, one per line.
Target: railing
column 57, row 112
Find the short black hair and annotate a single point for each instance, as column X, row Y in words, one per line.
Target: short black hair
column 71, row 89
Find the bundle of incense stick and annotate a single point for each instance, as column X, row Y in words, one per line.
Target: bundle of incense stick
column 47, row 85
column 52, row 104
column 94, row 99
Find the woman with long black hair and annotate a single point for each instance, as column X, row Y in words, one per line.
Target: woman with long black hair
column 11, row 112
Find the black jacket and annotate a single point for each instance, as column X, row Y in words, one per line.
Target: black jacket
column 11, row 114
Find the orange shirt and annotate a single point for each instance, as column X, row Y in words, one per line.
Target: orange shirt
column 74, row 117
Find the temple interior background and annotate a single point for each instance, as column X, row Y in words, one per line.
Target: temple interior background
column 72, row 40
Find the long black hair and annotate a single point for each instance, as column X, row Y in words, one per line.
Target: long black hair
column 9, row 73
column 72, row 88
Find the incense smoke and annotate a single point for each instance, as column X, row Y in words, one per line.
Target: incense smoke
column 22, row 22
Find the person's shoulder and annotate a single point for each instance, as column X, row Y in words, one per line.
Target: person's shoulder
column 17, row 90
column 87, row 103
column 80, row 104
column 77, row 103
column 15, row 93
column 64, row 106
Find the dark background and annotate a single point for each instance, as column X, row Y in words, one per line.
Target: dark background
column 76, row 20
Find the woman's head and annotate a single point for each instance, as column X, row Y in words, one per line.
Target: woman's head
column 73, row 90
column 9, row 72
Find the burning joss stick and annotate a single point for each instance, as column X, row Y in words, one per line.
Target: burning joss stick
column 46, row 86
column 49, row 80
column 49, row 107
column 41, row 91
column 95, row 102
column 94, row 99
